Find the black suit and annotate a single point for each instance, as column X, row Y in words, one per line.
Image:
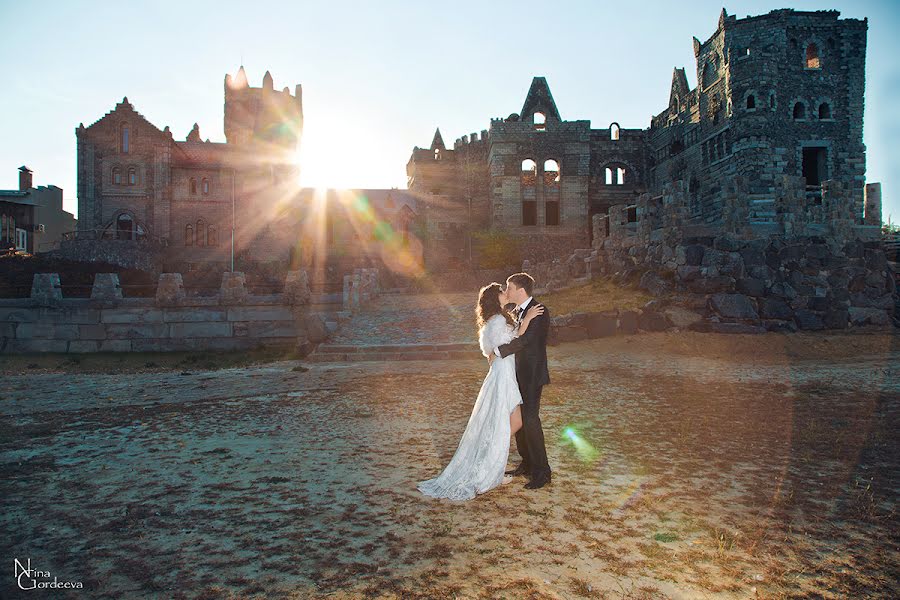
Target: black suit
column 531, row 371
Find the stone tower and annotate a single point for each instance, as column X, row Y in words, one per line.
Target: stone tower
column 262, row 115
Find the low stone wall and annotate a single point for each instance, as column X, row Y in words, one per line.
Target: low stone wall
column 780, row 283
column 231, row 320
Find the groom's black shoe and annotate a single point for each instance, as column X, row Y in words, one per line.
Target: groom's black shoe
column 520, row 470
column 537, row 482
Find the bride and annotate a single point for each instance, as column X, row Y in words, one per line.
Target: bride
column 483, row 450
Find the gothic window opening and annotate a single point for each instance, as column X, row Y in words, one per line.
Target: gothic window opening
column 799, row 111
column 211, row 236
column 772, row 100
column 529, row 172
column 132, row 176
column 609, row 176
column 620, row 176
column 125, row 139
column 812, row 57
column 614, row 132
column 551, row 173
column 751, row 102
column 204, row 186
column 188, row 235
column 193, row 186
column 824, row 111
column 201, row 232
column 540, row 121
column 117, row 176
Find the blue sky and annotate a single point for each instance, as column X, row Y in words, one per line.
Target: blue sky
column 377, row 77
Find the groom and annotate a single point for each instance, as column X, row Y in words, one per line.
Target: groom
column 531, row 372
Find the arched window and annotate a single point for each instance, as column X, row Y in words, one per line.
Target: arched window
column 117, row 176
column 132, row 176
column 124, row 227
column 772, row 99
column 529, row 172
column 437, row 154
column 614, row 132
column 188, row 235
column 193, row 187
column 551, row 172
column 211, row 236
column 201, row 233
column 824, row 111
column 204, row 186
column 620, row 173
column 540, row 121
column 812, row 57
column 609, row 176
column 799, row 111
column 125, row 138
column 710, row 72
column 751, row 102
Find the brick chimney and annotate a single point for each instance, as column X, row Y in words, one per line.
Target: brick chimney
column 24, row 179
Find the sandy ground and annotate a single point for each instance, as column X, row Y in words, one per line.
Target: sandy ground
column 684, row 466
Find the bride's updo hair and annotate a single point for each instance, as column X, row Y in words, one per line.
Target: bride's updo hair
column 489, row 305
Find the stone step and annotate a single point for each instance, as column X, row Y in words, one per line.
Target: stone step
column 331, row 353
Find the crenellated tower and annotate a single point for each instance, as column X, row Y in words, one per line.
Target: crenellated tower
column 262, row 115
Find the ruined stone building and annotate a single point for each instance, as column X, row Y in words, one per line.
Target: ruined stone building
column 777, row 113
column 136, row 182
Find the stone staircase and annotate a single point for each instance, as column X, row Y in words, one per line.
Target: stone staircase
column 342, row 353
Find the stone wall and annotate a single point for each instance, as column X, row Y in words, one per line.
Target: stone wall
column 107, row 322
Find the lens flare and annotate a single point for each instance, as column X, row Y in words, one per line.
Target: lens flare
column 585, row 451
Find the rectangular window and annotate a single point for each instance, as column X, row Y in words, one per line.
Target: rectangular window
column 551, row 213
column 814, row 164
column 529, row 212
column 124, row 139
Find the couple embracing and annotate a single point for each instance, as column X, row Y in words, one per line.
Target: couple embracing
column 515, row 346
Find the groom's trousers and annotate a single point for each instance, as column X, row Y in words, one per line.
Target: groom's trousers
column 530, row 437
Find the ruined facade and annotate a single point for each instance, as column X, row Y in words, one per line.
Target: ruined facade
column 135, row 182
column 769, row 141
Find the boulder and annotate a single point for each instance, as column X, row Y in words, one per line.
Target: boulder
column 316, row 329
column 751, row 287
column 651, row 320
column 628, row 322
column 783, row 290
column 681, row 317
column 711, row 285
column 780, row 326
column 807, row 319
column 693, row 254
column 775, row 308
column 655, row 284
column 733, row 306
column 868, row 316
column 837, row 318
column 600, row 325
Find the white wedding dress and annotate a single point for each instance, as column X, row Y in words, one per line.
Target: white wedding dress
column 480, row 458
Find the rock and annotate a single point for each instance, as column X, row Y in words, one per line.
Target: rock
column 726, row 243
column 854, row 249
column 774, row 308
column 169, row 289
column 711, row 285
column 681, row 317
column 651, row 320
column 687, row 272
column 655, row 284
column 570, row 334
column 818, row 303
column 316, row 329
column 885, row 302
column 868, row 316
column 733, row 306
column 714, row 327
column 296, row 287
column 807, row 319
column 600, row 325
column 628, row 322
column 693, row 255
column 780, row 326
column 751, row 287
column 783, row 290
column 837, row 318
column 875, row 259
column 754, row 253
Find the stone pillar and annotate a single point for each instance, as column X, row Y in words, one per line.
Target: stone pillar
column 873, row 204
column 599, row 224
column 106, row 287
column 169, row 289
column 296, row 287
column 45, row 289
column 234, row 289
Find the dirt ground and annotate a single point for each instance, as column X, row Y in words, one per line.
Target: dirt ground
column 685, row 465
